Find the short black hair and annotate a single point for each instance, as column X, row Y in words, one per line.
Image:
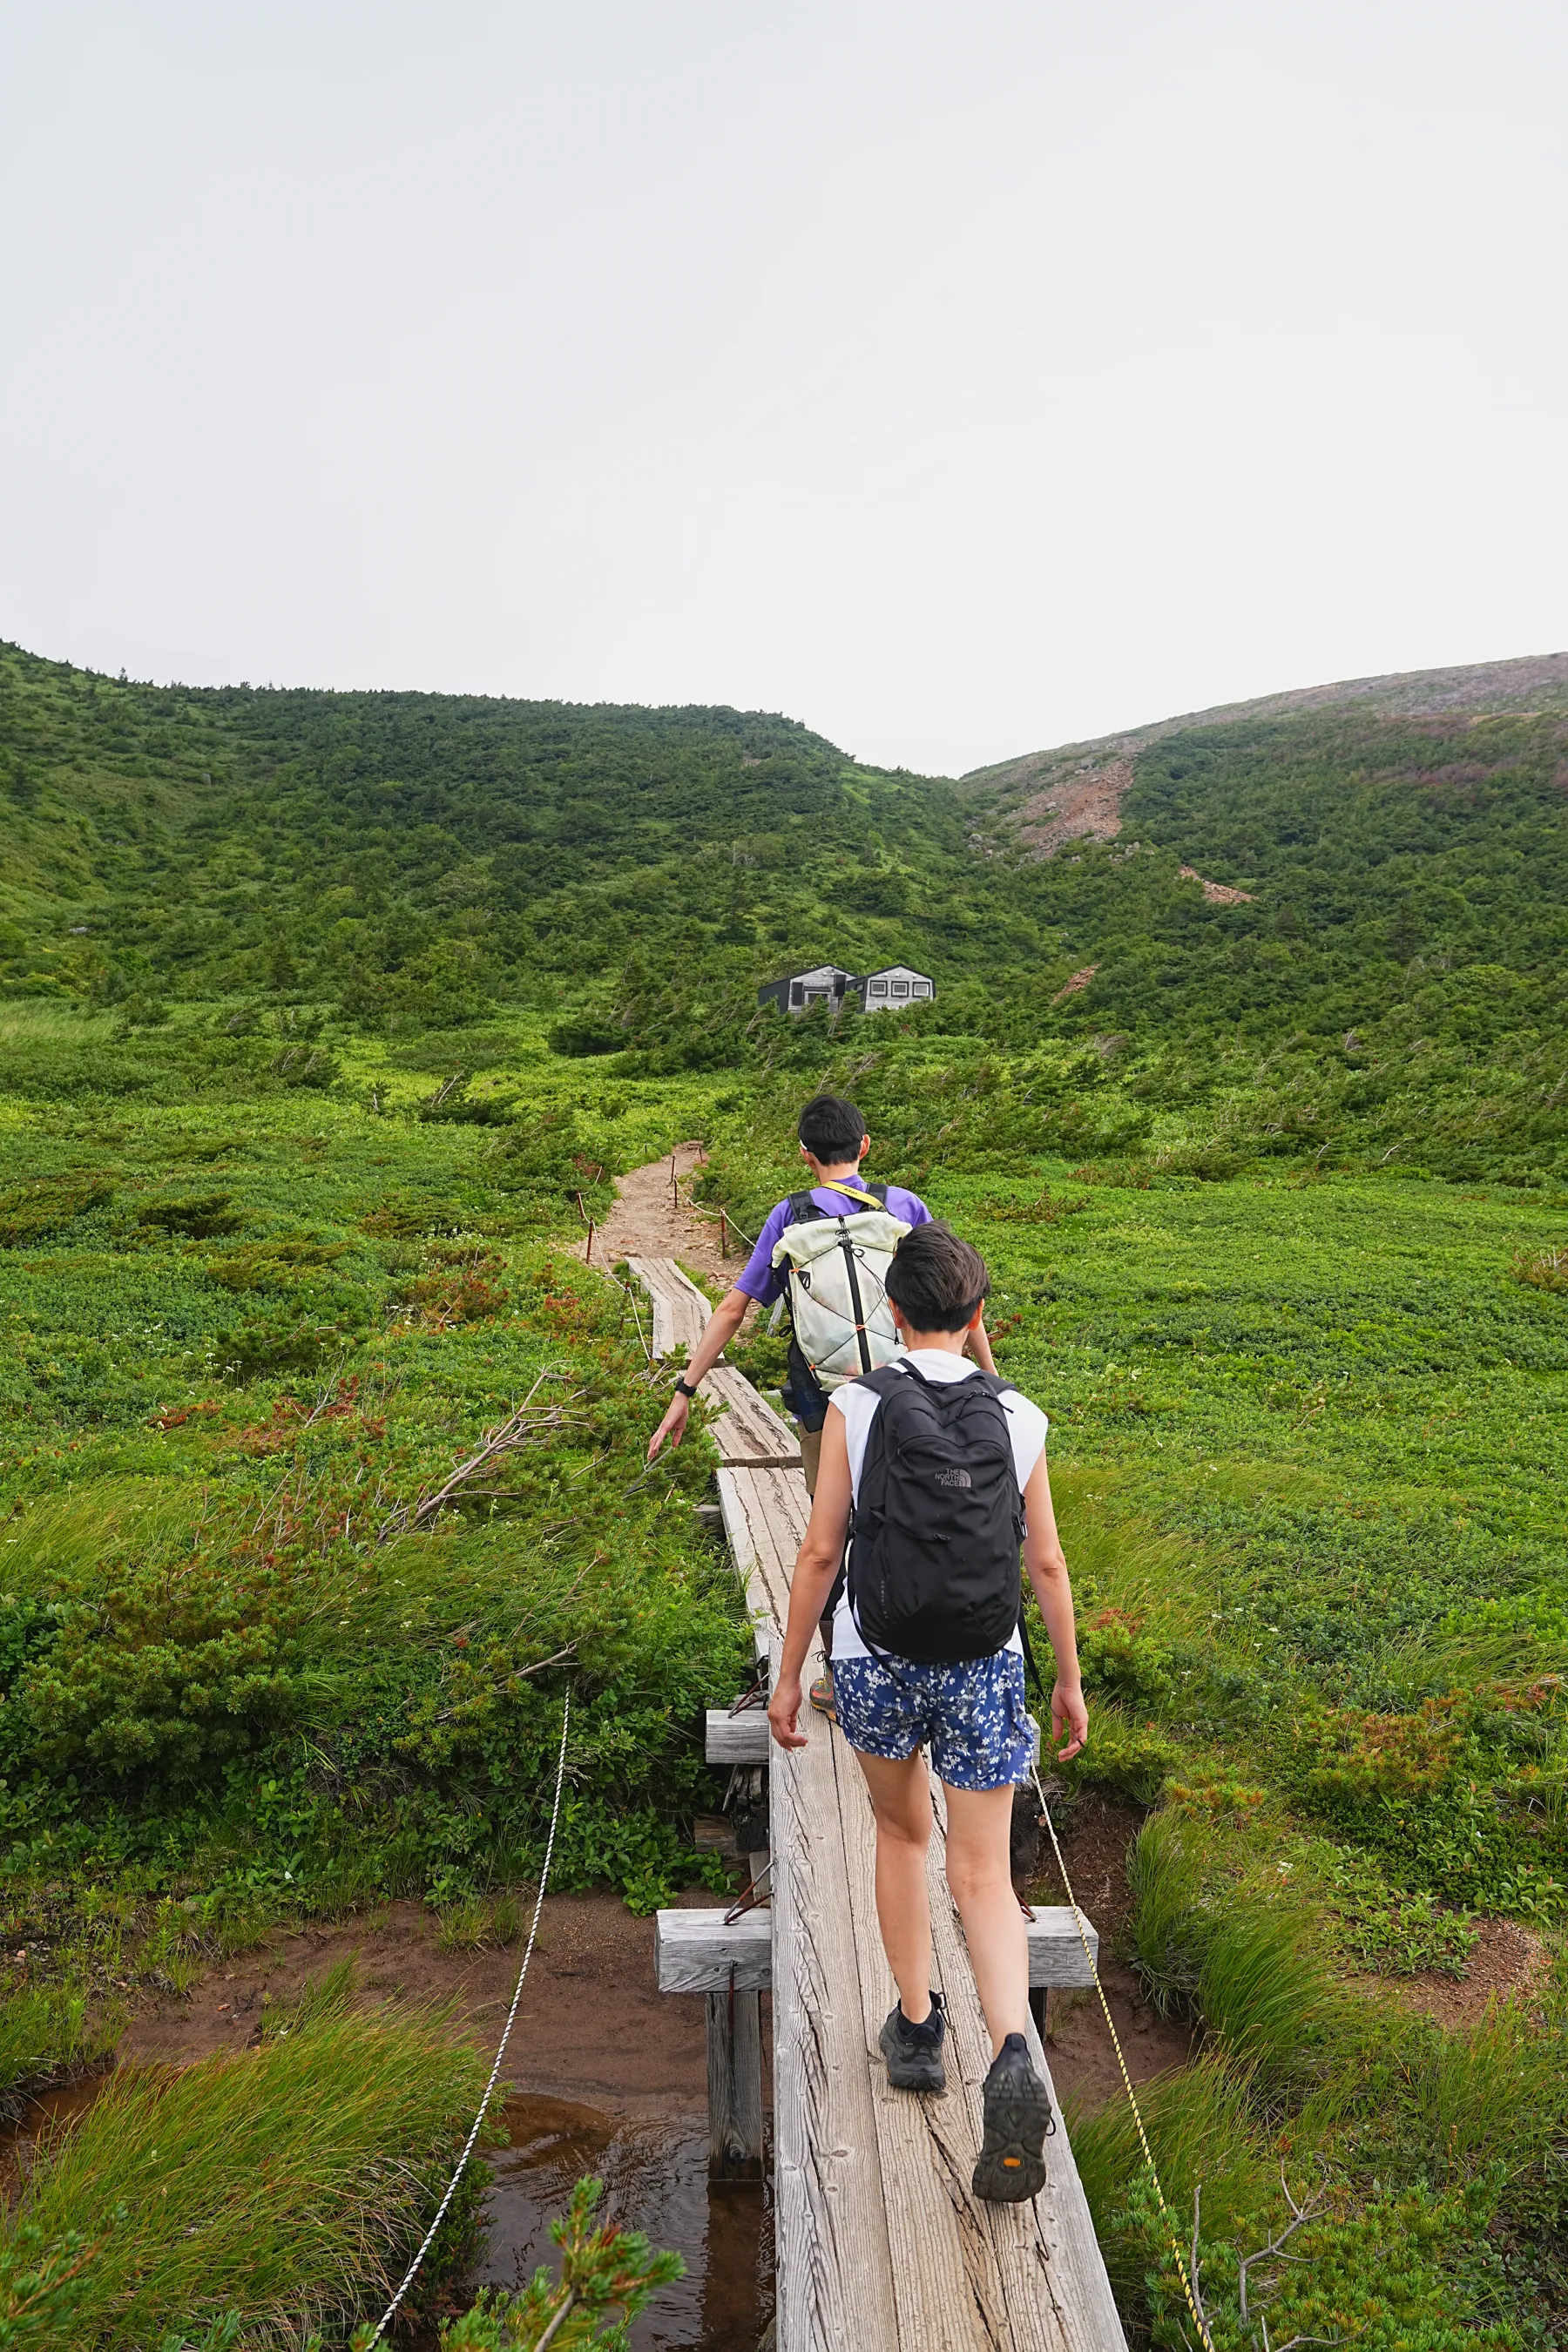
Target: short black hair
column 937, row 1280
column 831, row 1129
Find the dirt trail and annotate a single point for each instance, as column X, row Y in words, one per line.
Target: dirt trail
column 650, row 1219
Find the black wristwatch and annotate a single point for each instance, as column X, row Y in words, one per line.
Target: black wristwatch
column 683, row 1389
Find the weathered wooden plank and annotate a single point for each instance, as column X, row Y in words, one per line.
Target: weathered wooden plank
column 835, row 2270
column 737, row 1739
column 680, row 1308
column 1052, row 2274
column 766, row 1513
column 691, row 1293
column 734, row 2086
column 694, row 1951
column 1056, row 1958
column 746, row 1430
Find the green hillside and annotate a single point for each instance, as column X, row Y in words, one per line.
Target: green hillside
column 326, row 1022
column 413, row 855
column 1379, row 977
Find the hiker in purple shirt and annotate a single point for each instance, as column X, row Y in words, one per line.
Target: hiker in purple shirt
column 833, row 1143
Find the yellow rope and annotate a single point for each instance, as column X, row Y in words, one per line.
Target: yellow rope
column 1198, row 2321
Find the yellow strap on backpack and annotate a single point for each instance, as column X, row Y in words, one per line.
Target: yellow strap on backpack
column 850, row 1191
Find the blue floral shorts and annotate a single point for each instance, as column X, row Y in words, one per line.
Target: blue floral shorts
column 972, row 1716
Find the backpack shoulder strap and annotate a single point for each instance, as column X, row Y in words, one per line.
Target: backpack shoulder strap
column 803, row 1209
column 870, row 1196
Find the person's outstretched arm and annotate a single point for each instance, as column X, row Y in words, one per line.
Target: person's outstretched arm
column 815, row 1570
column 723, row 1325
column 1047, row 1571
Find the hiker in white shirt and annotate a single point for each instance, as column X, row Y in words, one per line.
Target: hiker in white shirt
column 943, row 1467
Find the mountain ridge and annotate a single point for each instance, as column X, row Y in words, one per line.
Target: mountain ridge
column 1454, row 688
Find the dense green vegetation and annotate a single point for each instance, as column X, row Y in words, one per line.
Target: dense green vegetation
column 326, row 1019
column 261, row 2199
column 1310, row 1455
column 1393, row 991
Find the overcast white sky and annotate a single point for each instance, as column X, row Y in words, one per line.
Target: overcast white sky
column 959, row 379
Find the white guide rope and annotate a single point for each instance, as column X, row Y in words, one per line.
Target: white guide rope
column 469, row 2144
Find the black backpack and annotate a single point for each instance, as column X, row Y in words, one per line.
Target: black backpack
column 934, row 1542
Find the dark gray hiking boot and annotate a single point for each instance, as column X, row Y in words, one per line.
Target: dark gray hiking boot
column 913, row 2052
column 1011, row 2165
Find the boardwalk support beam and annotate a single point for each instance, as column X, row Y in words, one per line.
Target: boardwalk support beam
column 734, row 2086
column 695, row 1951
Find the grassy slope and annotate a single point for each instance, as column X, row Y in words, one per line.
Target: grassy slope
column 1309, row 1447
column 1307, row 1423
column 229, row 1702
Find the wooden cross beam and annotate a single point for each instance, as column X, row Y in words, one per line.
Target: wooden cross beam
column 695, row 1951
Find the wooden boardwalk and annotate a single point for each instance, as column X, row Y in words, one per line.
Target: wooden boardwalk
column 880, row 2245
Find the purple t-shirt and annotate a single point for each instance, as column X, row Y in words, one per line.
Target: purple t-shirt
column 764, row 1281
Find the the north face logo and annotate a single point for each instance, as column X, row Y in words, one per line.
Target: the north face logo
column 953, row 1477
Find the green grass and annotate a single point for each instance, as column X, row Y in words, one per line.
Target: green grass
column 1309, row 1442
column 1309, row 1449
column 230, row 1378
column 286, row 2186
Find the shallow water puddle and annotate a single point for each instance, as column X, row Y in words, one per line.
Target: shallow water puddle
column 656, row 2180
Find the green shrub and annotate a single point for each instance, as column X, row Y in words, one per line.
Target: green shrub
column 1407, row 2271
column 1136, row 1759
column 168, row 1669
column 602, row 2270
column 265, row 1345
column 278, row 1264
column 199, row 1214
column 307, row 1066
column 1117, row 1657
column 1541, row 1270
column 45, row 2282
column 30, row 1213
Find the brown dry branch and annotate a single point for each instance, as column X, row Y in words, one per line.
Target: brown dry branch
column 1272, row 2252
column 514, row 1674
column 531, row 1424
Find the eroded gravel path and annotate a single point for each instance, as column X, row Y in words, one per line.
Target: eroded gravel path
column 651, row 1219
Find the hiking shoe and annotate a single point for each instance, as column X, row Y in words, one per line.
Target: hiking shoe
column 913, row 2052
column 1011, row 2166
column 822, row 1696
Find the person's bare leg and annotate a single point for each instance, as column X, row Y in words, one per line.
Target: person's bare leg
column 979, row 1831
column 901, row 1798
